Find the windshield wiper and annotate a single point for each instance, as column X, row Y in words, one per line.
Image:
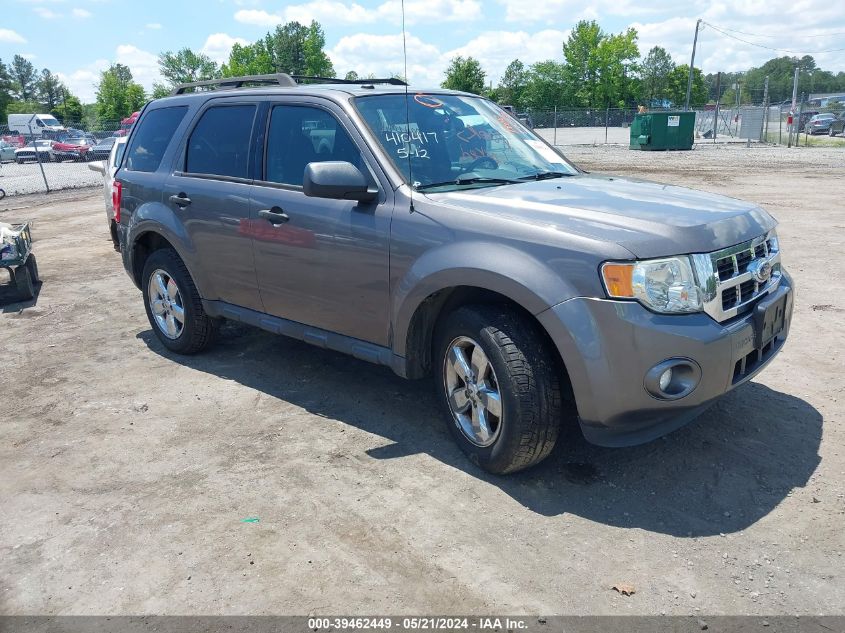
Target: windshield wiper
column 466, row 179
column 545, row 175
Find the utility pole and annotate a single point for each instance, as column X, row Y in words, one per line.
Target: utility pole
column 792, row 109
column 716, row 111
column 764, row 131
column 692, row 64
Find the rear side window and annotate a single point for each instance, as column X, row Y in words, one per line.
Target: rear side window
column 150, row 140
column 219, row 144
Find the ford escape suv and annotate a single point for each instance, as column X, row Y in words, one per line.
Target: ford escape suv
column 433, row 233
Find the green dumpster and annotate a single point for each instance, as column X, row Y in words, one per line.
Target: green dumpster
column 662, row 130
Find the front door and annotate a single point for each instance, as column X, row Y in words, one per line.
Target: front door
column 320, row 262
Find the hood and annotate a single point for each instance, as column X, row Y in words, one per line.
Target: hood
column 646, row 218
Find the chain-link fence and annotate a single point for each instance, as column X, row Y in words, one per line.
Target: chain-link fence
column 723, row 125
column 38, row 160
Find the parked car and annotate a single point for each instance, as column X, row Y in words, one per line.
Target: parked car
column 7, row 152
column 819, row 123
column 837, row 126
column 14, row 140
column 44, row 149
column 126, row 124
column 107, row 168
column 537, row 295
column 72, row 149
column 102, row 148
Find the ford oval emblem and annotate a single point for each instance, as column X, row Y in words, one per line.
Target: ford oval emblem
column 761, row 271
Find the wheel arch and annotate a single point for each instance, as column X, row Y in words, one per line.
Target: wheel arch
column 433, row 309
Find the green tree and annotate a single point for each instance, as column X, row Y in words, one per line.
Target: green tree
column 617, row 66
column 512, row 84
column 117, row 94
column 317, row 63
column 582, row 64
column 49, row 89
column 159, row 91
column 465, row 74
column 286, row 47
column 545, row 86
column 24, row 78
column 249, row 59
column 677, row 86
column 185, row 66
column 69, row 109
column 5, row 90
column 654, row 74
column 23, row 107
column 351, row 76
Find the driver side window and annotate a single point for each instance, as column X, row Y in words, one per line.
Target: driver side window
column 299, row 135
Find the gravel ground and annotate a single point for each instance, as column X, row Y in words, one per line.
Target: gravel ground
column 23, row 179
column 269, row 477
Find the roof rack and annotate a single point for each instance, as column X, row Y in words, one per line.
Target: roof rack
column 280, row 79
column 393, row 81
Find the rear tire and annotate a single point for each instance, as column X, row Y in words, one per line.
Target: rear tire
column 522, row 371
column 179, row 321
column 32, row 264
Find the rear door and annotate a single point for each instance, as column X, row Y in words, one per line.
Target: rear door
column 209, row 190
column 327, row 264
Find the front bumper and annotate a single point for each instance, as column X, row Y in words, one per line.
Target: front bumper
column 608, row 347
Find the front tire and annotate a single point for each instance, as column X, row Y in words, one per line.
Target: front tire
column 500, row 387
column 173, row 305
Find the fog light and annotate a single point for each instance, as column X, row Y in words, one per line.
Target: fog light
column 673, row 378
column 665, row 379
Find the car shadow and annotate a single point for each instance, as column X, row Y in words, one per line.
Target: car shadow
column 720, row 474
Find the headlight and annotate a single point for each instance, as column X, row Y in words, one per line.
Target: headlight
column 665, row 285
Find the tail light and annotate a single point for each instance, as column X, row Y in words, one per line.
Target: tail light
column 116, row 194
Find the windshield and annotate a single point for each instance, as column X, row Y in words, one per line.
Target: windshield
column 48, row 120
column 455, row 142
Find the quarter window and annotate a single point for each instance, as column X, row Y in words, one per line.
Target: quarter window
column 219, row 144
column 151, row 139
column 299, row 135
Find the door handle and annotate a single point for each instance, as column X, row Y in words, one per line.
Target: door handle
column 180, row 200
column 274, row 216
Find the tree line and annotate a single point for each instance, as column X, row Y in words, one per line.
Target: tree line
column 599, row 70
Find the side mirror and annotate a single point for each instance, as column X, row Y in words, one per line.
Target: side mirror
column 98, row 166
column 337, row 180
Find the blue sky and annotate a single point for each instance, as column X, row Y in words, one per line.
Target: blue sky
column 79, row 38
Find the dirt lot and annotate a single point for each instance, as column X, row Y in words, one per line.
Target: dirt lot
column 127, row 474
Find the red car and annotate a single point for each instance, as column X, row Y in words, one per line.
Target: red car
column 72, row 149
column 127, row 123
column 14, row 140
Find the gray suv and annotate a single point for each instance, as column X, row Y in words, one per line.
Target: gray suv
column 431, row 232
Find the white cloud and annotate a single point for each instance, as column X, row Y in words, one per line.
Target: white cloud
column 143, row 64
column 82, row 82
column 81, row 13
column 155, row 26
column 337, row 12
column 47, row 14
column 382, row 55
column 11, row 37
column 29, row 56
column 257, row 17
column 218, row 45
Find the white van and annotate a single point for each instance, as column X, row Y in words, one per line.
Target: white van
column 36, row 125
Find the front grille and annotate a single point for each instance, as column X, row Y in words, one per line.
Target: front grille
column 733, row 271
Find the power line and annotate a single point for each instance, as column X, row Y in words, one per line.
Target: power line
column 724, row 28
column 772, row 48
